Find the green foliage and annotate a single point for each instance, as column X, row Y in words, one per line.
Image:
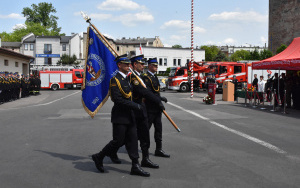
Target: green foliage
column 39, row 21
column 177, row 46
column 240, row 55
column 254, row 55
column 42, row 13
column 281, row 48
column 68, row 60
column 221, row 57
column 265, row 54
column 210, row 52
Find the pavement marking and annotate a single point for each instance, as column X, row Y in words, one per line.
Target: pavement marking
column 256, row 140
column 55, row 100
column 14, row 108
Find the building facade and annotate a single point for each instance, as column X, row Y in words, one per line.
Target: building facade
column 170, row 57
column 229, row 50
column 11, row 61
column 284, row 22
column 48, row 50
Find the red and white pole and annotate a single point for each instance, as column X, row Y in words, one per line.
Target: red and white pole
column 192, row 50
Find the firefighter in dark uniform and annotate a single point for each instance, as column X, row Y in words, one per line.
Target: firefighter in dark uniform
column 23, row 86
column 1, row 87
column 154, row 111
column 123, row 120
column 140, row 92
column 269, row 86
column 235, row 82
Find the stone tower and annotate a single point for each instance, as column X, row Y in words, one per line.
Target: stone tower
column 284, row 22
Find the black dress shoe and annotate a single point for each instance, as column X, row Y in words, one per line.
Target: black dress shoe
column 161, row 153
column 98, row 159
column 137, row 170
column 147, row 163
column 115, row 159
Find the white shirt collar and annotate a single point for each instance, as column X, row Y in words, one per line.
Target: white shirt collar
column 151, row 73
column 124, row 75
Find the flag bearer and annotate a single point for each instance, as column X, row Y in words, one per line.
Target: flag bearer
column 123, row 120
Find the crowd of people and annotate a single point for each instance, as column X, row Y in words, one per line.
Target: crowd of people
column 14, row 86
column 278, row 85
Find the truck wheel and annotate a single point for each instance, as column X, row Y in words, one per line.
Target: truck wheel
column 54, row 87
column 184, row 87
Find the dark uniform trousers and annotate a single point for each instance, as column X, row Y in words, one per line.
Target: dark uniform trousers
column 153, row 110
column 140, row 92
column 122, row 117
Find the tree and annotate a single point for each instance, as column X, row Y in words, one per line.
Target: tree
column 177, row 46
column 265, row 54
column 254, row 55
column 30, row 27
column 210, row 52
column 68, row 60
column 42, row 13
column 240, row 55
column 221, row 56
column 281, row 48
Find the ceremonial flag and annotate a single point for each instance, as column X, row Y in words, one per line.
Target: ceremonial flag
column 99, row 69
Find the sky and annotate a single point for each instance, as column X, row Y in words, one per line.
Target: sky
column 216, row 22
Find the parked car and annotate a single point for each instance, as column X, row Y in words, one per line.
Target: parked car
column 162, row 86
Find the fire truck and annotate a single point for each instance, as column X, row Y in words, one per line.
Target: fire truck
column 179, row 76
column 59, row 79
column 242, row 70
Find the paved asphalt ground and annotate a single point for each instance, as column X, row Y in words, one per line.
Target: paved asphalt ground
column 48, row 140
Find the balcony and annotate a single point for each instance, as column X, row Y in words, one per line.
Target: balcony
column 47, row 51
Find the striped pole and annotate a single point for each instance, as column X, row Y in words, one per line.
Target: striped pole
column 192, row 50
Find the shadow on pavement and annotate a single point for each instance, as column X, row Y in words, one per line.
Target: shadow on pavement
column 86, row 165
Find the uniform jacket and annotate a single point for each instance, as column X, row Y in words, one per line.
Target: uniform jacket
column 121, row 95
column 140, row 93
column 153, row 85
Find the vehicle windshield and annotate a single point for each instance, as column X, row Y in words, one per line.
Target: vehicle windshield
column 172, row 72
column 223, row 69
column 214, row 69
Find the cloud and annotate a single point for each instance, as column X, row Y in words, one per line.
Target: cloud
column 19, row 26
column 134, row 19
column 249, row 16
column 12, row 16
column 101, row 16
column 229, row 41
column 117, row 5
column 181, row 26
column 263, row 40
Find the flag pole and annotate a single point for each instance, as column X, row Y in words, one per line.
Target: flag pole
column 88, row 20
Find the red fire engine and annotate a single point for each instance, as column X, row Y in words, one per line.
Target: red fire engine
column 179, row 76
column 61, row 79
column 242, row 70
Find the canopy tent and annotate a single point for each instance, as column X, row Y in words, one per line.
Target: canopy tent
column 289, row 59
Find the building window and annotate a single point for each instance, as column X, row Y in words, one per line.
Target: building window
column 174, row 62
column 31, row 47
column 25, row 46
column 165, row 61
column 47, row 61
column 64, row 47
column 160, row 61
column 118, row 48
column 47, row 48
column 5, row 62
column 179, row 62
column 187, row 61
column 16, row 64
